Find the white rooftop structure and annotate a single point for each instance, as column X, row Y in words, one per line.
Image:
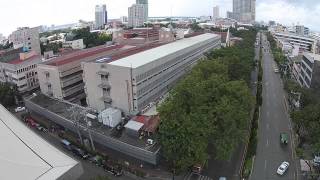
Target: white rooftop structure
column 134, row 125
column 151, row 55
column 24, row 155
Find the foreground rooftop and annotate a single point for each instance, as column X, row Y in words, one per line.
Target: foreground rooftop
column 24, row 155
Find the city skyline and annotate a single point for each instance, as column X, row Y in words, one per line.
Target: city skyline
column 296, row 11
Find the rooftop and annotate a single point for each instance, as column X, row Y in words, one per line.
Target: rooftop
column 138, row 59
column 19, row 61
column 24, row 155
column 80, row 55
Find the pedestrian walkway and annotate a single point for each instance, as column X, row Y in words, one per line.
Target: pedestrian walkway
column 193, row 176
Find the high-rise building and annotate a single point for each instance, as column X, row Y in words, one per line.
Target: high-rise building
column 146, row 8
column 136, row 15
column 215, row 12
column 101, row 16
column 244, row 10
column 26, row 38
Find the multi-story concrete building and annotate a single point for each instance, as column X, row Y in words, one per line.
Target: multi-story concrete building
column 136, row 15
column 26, row 38
column 215, row 12
column 305, row 43
column 146, row 8
column 20, row 69
column 62, row 78
column 244, row 11
column 124, row 19
column 136, row 79
column 310, row 71
column 101, row 16
column 75, row 44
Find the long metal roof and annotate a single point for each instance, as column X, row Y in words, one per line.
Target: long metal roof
column 25, row 155
column 153, row 54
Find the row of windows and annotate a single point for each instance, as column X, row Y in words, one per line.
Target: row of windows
column 143, row 76
column 26, row 68
column 178, row 73
column 175, row 75
column 160, row 92
column 307, row 61
column 299, row 39
column 161, row 79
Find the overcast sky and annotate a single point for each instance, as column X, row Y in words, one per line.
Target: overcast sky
column 17, row 13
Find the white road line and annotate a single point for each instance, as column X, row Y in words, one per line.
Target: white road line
column 267, row 143
column 268, row 126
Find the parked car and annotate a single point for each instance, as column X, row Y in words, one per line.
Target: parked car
column 43, row 129
column 19, row 109
column 79, row 152
column 116, row 171
column 284, row 138
column 283, row 168
column 97, row 160
column 66, row 144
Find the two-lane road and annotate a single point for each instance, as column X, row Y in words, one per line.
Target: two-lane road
column 273, row 120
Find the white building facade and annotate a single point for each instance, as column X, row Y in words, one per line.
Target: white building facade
column 25, row 37
column 133, row 82
column 310, row 71
column 136, row 15
column 101, row 16
column 215, row 12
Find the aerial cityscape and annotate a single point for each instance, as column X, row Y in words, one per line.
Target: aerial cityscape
column 160, row 90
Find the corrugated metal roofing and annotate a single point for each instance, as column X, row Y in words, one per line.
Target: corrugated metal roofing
column 147, row 56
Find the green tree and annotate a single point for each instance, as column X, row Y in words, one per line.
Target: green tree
column 7, row 95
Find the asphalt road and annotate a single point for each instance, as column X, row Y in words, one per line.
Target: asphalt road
column 273, row 120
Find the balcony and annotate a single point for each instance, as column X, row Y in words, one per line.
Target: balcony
column 106, row 99
column 71, row 80
column 103, row 73
column 70, row 71
column 73, row 89
column 104, row 85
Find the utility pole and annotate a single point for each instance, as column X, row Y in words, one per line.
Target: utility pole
column 89, row 131
column 75, row 115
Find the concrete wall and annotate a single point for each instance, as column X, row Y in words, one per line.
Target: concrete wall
column 53, row 79
column 119, row 80
column 112, row 143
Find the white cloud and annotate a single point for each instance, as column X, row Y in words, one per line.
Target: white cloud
column 289, row 13
column 17, row 13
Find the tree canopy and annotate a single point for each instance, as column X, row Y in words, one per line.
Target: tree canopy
column 91, row 39
column 211, row 105
column 7, row 95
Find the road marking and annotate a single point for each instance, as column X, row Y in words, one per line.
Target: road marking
column 268, row 126
column 267, row 143
column 265, row 164
column 268, row 113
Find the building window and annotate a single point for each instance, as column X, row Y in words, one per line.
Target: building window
column 49, row 87
column 104, row 77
